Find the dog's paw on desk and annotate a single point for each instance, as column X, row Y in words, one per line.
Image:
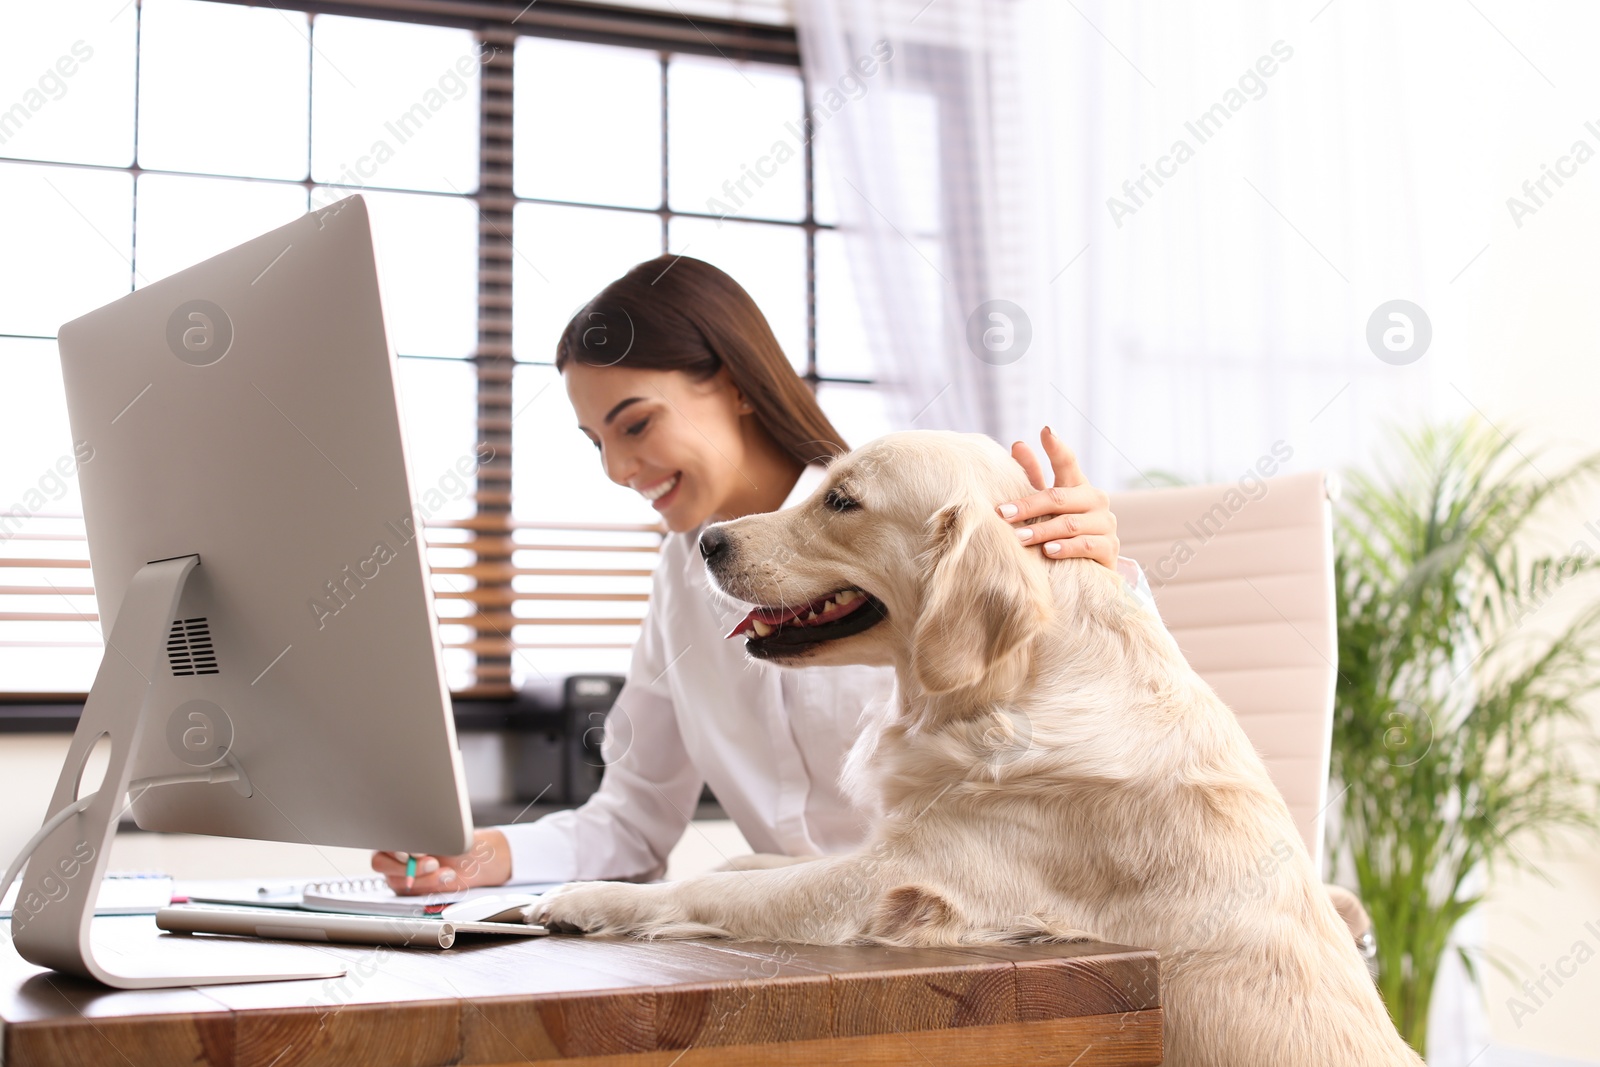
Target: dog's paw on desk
column 615, row 909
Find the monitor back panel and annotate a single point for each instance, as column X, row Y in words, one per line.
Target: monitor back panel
column 244, row 410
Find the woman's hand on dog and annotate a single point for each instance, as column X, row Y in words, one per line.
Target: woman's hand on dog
column 1078, row 519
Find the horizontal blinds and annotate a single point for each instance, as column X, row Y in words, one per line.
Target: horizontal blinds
column 515, row 593
column 49, row 637
column 632, row 26
column 567, row 586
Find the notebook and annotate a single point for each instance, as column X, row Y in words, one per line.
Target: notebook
column 350, row 896
column 130, row 893
column 372, row 896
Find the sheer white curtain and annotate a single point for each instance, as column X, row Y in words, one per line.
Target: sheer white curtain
column 925, row 121
column 1199, row 318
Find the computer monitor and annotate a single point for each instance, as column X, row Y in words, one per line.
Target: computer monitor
column 261, row 581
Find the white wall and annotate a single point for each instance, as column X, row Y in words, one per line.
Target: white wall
column 1533, row 358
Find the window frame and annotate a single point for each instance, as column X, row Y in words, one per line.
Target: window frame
column 491, row 528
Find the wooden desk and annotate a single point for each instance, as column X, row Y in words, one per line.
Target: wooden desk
column 578, row 1002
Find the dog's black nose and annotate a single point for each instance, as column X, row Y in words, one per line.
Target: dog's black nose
column 713, row 543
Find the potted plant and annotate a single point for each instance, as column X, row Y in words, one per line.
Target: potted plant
column 1457, row 722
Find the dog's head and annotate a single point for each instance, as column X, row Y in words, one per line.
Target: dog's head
column 899, row 556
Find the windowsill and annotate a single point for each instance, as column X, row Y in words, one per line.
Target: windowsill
column 58, row 714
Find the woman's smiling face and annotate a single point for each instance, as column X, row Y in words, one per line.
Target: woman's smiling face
column 677, row 442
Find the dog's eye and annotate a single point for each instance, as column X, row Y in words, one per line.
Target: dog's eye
column 838, row 501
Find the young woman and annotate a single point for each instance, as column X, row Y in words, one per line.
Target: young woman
column 678, row 381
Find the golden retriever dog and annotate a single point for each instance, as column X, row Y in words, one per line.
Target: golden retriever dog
column 1054, row 770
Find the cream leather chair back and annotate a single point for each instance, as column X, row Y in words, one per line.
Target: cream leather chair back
column 1243, row 577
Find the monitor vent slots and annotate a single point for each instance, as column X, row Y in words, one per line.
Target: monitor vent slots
column 189, row 649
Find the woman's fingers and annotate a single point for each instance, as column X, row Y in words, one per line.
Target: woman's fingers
column 1067, row 526
column 1057, row 500
column 1077, row 517
column 397, row 862
column 441, row 880
column 1064, row 469
column 393, row 864
column 1065, row 473
column 1062, row 459
column 1098, row 547
column 431, row 877
column 488, row 862
column 387, row 863
column 1029, row 464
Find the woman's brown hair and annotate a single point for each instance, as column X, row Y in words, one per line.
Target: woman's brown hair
column 677, row 313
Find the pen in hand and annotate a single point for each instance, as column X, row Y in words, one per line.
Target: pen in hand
column 411, row 869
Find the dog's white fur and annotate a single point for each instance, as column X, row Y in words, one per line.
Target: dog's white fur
column 1055, row 770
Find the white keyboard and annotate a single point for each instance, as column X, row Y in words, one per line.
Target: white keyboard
column 279, row 924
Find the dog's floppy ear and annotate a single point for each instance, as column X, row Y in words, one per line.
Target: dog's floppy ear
column 984, row 599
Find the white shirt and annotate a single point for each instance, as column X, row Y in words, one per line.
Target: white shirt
column 695, row 710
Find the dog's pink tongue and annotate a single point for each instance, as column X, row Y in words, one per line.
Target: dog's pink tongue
column 770, row 616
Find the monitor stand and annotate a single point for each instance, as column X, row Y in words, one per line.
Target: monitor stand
column 55, row 907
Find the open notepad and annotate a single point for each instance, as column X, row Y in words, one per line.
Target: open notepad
column 372, row 896
column 361, row 896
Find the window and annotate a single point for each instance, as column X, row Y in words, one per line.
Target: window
column 511, row 170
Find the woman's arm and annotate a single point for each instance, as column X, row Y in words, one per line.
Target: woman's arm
column 646, row 798
column 645, row 801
